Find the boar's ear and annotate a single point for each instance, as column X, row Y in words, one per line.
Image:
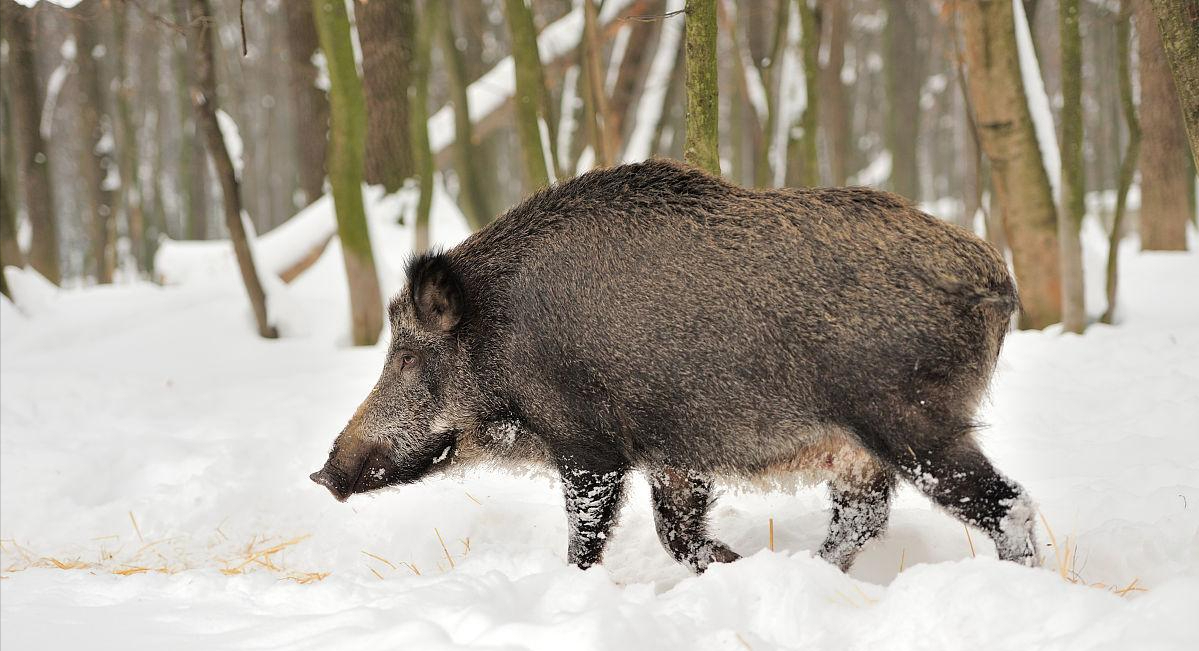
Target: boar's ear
column 437, row 294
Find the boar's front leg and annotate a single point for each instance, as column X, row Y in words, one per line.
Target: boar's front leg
column 861, row 508
column 681, row 503
column 593, row 493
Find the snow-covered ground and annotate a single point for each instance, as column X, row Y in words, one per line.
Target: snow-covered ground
column 154, row 494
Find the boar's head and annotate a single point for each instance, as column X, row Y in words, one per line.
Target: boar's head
column 407, row 426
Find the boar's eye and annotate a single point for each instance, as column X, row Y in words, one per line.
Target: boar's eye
column 407, row 359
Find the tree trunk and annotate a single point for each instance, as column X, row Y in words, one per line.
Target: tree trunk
column 387, row 31
column 605, row 140
column 96, row 160
column 528, row 91
column 1128, row 166
column 201, row 34
column 701, row 148
column 1018, row 175
column 835, row 113
column 763, row 169
column 1073, row 204
column 127, row 153
column 26, row 97
column 311, row 104
column 803, row 152
column 422, row 152
column 1178, row 25
column 471, row 198
column 1165, row 208
column 10, row 249
column 638, row 54
column 346, row 141
column 191, row 177
column 904, row 70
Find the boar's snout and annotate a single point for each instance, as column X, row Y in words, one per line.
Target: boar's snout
column 373, row 469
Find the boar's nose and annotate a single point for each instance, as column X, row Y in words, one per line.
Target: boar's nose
column 328, row 479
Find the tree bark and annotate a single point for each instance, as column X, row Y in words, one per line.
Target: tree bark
column 471, row 198
column 32, row 152
column 346, row 142
column 1018, row 175
column 1178, row 24
column 835, row 112
column 763, row 169
column 1073, row 205
column 387, row 31
column 1128, row 166
column 311, row 104
column 127, row 153
column 702, row 148
column 96, row 153
column 201, row 34
column 904, row 71
column 191, row 177
column 528, row 92
column 804, row 169
column 10, row 249
column 606, row 137
column 422, row 152
column 638, row 54
column 1165, row 208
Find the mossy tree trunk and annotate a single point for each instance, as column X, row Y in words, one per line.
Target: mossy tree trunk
column 201, row 34
column 471, row 197
column 529, row 91
column 1165, row 208
column 419, row 112
column 1072, row 205
column 387, row 31
column 347, row 139
column 311, row 104
column 701, row 147
column 1019, row 179
column 804, row 169
column 1178, row 24
column 1128, row 165
column 763, row 168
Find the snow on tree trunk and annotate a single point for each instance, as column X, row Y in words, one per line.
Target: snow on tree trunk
column 347, row 138
column 96, row 162
column 1128, row 166
column 702, row 144
column 1038, row 99
column 204, row 97
column 651, row 107
column 1008, row 137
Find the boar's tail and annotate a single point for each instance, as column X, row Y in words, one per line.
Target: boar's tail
column 1002, row 297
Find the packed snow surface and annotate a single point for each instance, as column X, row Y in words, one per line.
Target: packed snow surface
column 154, row 495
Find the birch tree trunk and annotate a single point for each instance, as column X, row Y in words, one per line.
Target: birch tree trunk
column 96, row 160
column 528, row 92
column 311, row 104
column 701, row 147
column 346, row 142
column 1165, row 208
column 1073, row 205
column 201, row 34
column 387, row 31
column 1178, row 24
column 1018, row 175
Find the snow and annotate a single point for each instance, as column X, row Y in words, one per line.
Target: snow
column 62, row 3
column 1038, row 100
column 54, row 86
column 146, row 427
column 232, row 137
column 653, row 96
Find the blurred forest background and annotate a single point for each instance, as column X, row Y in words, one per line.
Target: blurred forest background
column 128, row 124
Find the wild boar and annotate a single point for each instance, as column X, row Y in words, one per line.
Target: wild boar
column 652, row 317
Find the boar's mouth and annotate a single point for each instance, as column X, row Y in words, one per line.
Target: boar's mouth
column 376, row 469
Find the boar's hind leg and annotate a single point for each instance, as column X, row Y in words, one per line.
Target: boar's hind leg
column 861, row 508
column 962, row 480
column 593, row 493
column 681, row 503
